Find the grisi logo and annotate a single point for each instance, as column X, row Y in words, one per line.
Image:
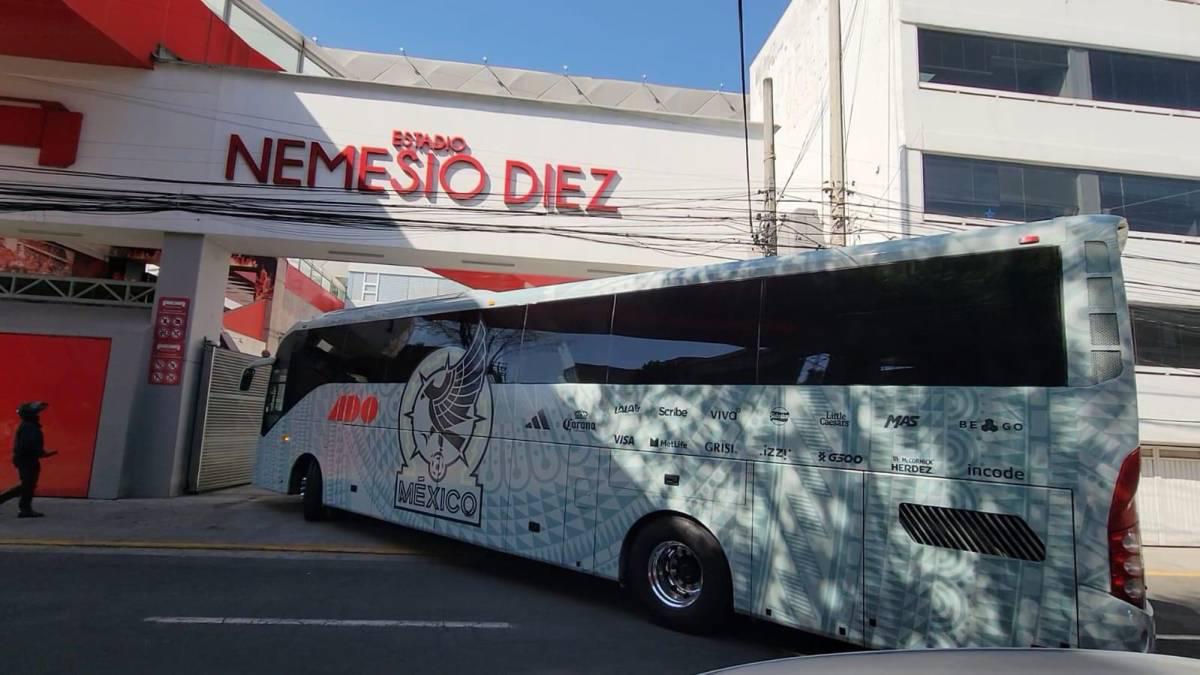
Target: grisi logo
column 448, row 404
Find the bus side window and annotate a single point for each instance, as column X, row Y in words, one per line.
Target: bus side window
column 566, row 341
column 695, row 334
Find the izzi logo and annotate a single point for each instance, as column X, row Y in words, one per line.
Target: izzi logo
column 726, row 415
column 834, row 419
column 579, row 422
column 780, row 415
column 538, row 422
column 627, row 408
column 899, row 421
column 668, row 443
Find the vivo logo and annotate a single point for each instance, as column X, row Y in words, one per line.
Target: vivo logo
column 350, row 408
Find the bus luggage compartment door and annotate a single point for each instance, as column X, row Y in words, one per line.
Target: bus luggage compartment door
column 959, row 563
column 807, row 548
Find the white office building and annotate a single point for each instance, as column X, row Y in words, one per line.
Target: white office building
column 974, row 113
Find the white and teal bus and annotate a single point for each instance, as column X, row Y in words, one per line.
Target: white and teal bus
column 928, row 442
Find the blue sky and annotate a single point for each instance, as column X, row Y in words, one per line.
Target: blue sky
column 691, row 43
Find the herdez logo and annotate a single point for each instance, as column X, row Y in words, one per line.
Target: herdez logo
column 448, row 404
column 579, row 422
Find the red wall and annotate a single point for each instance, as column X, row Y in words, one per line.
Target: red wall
column 299, row 284
column 68, row 373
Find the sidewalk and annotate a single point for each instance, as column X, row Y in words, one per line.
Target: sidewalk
column 257, row 520
column 246, row 519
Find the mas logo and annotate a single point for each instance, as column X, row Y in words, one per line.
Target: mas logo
column 446, row 418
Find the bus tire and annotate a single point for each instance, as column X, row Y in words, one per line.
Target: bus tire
column 313, row 494
column 677, row 569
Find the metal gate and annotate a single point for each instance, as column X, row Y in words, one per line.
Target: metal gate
column 1169, row 496
column 228, row 421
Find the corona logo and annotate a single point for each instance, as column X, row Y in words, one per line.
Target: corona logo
column 351, row 408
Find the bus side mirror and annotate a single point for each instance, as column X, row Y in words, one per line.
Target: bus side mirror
column 247, row 379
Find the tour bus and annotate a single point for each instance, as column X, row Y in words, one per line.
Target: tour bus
column 929, row 442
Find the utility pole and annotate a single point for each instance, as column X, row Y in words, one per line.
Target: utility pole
column 769, row 227
column 837, row 141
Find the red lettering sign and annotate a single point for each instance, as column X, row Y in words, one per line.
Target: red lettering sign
column 295, row 163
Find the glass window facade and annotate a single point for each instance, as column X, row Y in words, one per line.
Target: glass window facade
column 985, row 189
column 1004, row 64
column 1145, row 80
column 991, row 63
column 979, row 188
column 1165, row 336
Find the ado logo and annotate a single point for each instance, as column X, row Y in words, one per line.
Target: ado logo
column 448, row 404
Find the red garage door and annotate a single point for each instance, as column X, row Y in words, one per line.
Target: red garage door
column 68, row 373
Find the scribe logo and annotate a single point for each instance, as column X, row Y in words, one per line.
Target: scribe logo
column 351, row 408
column 539, row 421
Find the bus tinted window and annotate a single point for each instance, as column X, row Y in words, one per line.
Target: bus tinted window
column 703, row 334
column 457, row 329
column 370, row 347
column 566, row 341
column 989, row 319
column 318, row 357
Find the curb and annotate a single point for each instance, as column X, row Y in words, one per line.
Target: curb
column 214, row 546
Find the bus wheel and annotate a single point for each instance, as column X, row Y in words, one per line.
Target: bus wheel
column 678, row 571
column 312, row 493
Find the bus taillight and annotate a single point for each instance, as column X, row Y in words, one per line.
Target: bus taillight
column 1124, row 540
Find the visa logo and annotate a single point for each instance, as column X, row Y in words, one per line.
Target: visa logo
column 619, row 439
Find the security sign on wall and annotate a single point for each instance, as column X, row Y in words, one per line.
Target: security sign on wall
column 169, row 346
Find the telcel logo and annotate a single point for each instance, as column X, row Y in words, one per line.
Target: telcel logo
column 351, row 408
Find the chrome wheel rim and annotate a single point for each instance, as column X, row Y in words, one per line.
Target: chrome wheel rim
column 676, row 576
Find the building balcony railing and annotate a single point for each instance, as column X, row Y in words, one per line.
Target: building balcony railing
column 74, row 290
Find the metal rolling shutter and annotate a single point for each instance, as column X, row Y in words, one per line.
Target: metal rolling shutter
column 228, row 421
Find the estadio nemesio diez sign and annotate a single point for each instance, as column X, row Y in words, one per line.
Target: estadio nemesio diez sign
column 423, row 165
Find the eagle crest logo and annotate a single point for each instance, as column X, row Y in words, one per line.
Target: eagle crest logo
column 445, row 414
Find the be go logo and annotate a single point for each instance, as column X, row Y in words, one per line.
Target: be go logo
column 351, row 408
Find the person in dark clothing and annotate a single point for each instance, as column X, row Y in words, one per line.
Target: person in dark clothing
column 29, row 447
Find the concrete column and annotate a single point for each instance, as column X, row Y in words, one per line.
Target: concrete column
column 194, row 267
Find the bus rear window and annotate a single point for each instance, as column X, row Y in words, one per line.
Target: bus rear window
column 987, row 319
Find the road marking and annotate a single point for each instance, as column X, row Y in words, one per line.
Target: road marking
column 1195, row 638
column 337, row 623
column 215, row 546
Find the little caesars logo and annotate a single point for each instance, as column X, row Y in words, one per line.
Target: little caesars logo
column 448, row 405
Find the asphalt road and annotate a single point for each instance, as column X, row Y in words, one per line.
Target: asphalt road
column 81, row 612
column 453, row 608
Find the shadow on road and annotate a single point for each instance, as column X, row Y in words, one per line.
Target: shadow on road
column 541, row 576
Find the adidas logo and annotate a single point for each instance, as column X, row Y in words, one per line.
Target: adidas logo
column 539, row 421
